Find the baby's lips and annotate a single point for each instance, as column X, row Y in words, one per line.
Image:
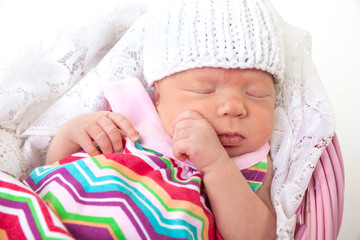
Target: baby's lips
column 230, row 140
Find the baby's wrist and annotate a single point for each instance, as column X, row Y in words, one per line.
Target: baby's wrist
column 221, row 163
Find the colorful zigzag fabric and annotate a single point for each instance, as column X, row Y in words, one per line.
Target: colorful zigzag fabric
column 23, row 215
column 126, row 196
column 139, row 194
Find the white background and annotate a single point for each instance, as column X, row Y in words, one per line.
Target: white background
column 335, row 29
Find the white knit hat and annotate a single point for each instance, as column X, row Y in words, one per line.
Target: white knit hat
column 187, row 34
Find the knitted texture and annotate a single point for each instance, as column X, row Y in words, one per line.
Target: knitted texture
column 187, row 34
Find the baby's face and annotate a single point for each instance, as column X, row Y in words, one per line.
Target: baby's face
column 239, row 104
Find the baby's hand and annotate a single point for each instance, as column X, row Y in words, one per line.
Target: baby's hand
column 195, row 138
column 105, row 129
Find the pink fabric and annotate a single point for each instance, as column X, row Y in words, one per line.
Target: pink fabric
column 129, row 98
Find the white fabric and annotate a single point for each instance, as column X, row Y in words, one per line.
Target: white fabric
column 52, row 61
column 64, row 85
column 304, row 126
column 187, row 34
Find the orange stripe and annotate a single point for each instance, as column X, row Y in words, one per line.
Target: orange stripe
column 3, row 235
column 168, row 201
column 257, row 169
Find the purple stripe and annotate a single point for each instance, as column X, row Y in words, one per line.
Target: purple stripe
column 131, row 215
column 109, row 194
column 101, row 196
column 87, row 232
column 75, row 184
column 28, row 214
column 174, row 166
column 253, row 175
column 164, row 167
column 157, row 161
column 170, row 178
column 37, row 186
column 114, row 194
column 67, row 175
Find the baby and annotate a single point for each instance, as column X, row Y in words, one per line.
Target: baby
column 213, row 66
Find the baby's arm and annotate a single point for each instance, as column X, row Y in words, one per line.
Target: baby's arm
column 238, row 211
column 105, row 129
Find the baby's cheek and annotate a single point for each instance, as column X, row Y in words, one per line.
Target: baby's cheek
column 265, row 133
column 166, row 121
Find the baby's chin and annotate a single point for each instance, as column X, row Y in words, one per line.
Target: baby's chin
column 234, row 151
column 237, row 151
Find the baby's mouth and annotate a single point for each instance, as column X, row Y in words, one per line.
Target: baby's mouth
column 230, row 139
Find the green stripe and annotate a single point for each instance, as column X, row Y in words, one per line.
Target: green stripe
column 33, row 211
column 65, row 215
column 173, row 176
column 160, row 200
column 152, row 151
column 145, row 186
column 166, row 161
column 254, row 184
column 262, row 165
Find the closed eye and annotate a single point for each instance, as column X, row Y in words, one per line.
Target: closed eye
column 256, row 94
column 204, row 91
column 201, row 90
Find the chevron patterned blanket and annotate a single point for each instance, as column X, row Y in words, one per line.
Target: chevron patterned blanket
column 138, row 194
column 115, row 196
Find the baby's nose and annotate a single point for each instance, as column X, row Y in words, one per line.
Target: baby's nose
column 232, row 106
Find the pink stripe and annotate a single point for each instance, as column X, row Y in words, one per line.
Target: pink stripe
column 28, row 214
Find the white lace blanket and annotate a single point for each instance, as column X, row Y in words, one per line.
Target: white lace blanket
column 45, row 62
column 62, row 76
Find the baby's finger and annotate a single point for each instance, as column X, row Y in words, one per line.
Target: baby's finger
column 87, row 144
column 101, row 138
column 183, row 129
column 124, row 125
column 113, row 133
column 187, row 115
column 179, row 150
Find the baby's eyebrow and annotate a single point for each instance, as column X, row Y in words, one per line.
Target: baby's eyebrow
column 203, row 79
